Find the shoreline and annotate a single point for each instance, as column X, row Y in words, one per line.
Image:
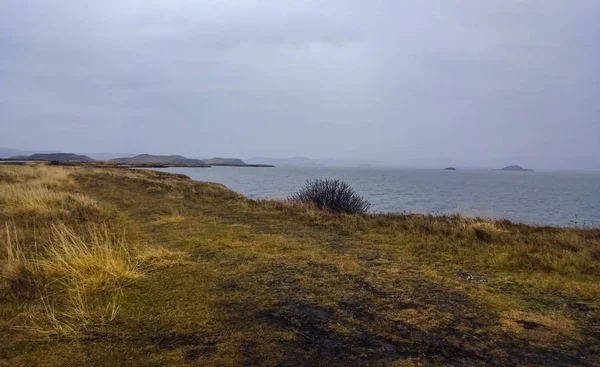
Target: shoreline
column 108, row 164
column 574, row 224
column 166, row 268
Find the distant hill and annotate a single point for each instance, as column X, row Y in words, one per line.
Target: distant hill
column 149, row 158
column 9, row 152
column 515, row 168
column 187, row 161
column 109, row 156
column 178, row 159
column 61, row 157
column 224, row 161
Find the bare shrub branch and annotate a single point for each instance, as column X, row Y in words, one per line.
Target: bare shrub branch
column 331, row 194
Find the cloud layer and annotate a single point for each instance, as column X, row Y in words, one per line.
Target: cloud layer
column 386, row 80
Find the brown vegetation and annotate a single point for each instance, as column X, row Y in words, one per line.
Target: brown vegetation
column 129, row 267
column 65, row 257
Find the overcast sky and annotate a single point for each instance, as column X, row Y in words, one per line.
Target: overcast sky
column 470, row 80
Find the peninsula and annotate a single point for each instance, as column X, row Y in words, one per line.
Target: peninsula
column 142, row 160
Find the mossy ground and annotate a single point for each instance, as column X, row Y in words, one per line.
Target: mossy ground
column 272, row 283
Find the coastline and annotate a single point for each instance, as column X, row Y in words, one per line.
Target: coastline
column 204, row 268
column 108, row 164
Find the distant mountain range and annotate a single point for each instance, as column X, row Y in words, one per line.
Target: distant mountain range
column 8, row 152
column 60, row 157
column 109, row 156
column 166, row 159
column 379, row 160
column 138, row 159
column 179, row 159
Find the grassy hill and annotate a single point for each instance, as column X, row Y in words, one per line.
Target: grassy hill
column 117, row 267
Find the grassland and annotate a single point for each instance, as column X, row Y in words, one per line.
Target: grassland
column 119, row 267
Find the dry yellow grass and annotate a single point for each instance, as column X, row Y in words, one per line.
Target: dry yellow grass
column 40, row 200
column 77, row 272
column 169, row 271
column 13, row 262
column 97, row 261
column 52, row 176
column 75, row 313
column 41, row 191
column 78, row 276
column 153, row 257
column 175, row 216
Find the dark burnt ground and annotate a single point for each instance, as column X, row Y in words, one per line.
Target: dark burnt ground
column 356, row 330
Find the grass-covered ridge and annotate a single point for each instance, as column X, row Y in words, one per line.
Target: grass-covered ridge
column 130, row 267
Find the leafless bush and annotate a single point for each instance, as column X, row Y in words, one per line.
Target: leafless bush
column 334, row 195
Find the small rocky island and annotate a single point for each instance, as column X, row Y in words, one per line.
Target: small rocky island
column 515, row 168
column 450, row 169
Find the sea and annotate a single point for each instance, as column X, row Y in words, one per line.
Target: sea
column 542, row 198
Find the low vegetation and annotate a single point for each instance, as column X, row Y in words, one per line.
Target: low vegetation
column 65, row 264
column 105, row 266
column 332, row 195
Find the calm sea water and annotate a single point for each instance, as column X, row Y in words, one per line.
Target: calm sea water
column 546, row 198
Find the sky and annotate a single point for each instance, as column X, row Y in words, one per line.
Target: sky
column 461, row 81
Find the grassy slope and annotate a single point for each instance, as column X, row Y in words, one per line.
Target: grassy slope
column 275, row 284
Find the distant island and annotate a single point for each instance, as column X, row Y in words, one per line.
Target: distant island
column 142, row 160
column 178, row 160
column 515, row 168
column 450, row 169
column 160, row 159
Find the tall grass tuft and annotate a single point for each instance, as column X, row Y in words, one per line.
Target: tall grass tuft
column 97, row 261
column 15, row 270
column 33, row 191
column 78, row 275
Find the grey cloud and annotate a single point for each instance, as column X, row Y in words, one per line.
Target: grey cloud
column 388, row 80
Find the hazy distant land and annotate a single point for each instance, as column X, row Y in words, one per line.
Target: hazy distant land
column 516, row 168
column 142, row 159
column 152, row 160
